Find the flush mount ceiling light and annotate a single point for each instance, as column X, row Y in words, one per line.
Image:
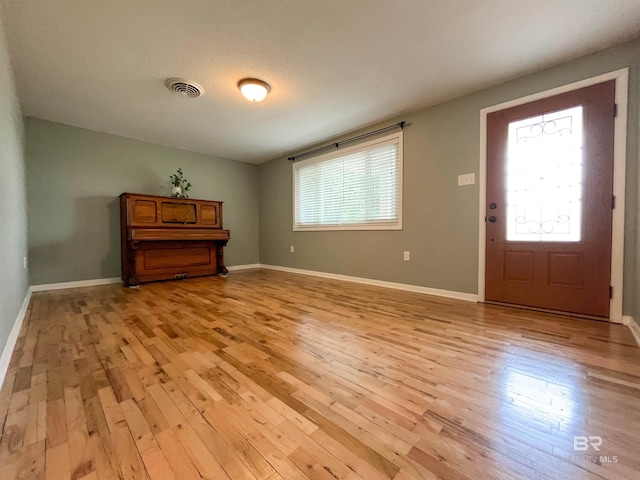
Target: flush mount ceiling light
column 253, row 89
column 183, row 87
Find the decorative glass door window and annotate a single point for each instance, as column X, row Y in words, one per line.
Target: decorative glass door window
column 544, row 178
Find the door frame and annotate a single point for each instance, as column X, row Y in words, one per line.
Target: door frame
column 621, row 78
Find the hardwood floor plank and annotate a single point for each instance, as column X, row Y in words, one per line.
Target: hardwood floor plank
column 315, row 470
column 176, row 456
column 104, row 455
column 57, row 463
column 333, row 424
column 32, row 462
column 199, row 454
column 140, row 430
column 131, row 464
column 81, row 459
column 240, row 447
column 157, row 465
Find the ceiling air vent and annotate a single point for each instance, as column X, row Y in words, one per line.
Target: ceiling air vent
column 183, row 87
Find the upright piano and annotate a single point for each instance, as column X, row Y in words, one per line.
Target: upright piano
column 165, row 238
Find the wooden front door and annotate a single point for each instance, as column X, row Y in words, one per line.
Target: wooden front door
column 549, row 202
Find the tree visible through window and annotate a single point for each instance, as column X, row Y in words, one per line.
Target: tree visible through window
column 354, row 189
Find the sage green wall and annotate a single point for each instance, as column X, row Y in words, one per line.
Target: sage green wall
column 74, row 179
column 633, row 219
column 14, row 281
column 440, row 218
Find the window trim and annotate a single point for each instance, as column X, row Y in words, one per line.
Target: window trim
column 346, row 151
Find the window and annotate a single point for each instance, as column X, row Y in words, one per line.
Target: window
column 544, row 177
column 358, row 188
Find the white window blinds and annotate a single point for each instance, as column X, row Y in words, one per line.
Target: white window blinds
column 358, row 188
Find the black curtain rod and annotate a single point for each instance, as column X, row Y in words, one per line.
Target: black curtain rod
column 349, row 140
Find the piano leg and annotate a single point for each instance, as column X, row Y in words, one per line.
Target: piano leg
column 129, row 276
column 222, row 270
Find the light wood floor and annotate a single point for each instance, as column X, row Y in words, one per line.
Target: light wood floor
column 267, row 375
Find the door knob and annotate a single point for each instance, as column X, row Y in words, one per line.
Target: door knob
column 493, row 219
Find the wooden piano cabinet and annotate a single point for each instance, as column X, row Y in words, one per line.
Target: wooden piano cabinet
column 166, row 238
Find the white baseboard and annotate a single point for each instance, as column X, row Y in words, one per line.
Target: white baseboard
column 248, row 266
column 13, row 338
column 633, row 326
column 105, row 281
column 78, row 284
column 469, row 297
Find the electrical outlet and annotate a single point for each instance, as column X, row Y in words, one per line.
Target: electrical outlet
column 24, row 262
column 407, row 256
column 466, row 179
column 292, row 249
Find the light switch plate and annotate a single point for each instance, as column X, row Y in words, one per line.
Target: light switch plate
column 466, row 179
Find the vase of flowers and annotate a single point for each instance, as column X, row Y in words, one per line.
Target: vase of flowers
column 179, row 185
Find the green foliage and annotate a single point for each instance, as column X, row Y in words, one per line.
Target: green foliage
column 177, row 180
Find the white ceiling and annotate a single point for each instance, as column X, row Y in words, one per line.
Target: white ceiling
column 334, row 65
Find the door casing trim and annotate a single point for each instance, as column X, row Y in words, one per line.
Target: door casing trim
column 621, row 78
